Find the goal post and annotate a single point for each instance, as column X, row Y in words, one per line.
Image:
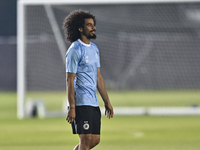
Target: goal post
column 20, row 60
column 41, row 49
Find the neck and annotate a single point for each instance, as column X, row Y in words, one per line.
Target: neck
column 85, row 40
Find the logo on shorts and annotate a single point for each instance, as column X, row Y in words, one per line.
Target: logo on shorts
column 86, row 126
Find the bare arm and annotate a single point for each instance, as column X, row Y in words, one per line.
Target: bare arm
column 70, row 94
column 102, row 90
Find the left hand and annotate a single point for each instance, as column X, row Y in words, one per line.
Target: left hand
column 109, row 111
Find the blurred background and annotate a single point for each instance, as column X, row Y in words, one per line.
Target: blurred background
column 148, row 46
column 143, row 47
column 8, row 18
column 150, row 58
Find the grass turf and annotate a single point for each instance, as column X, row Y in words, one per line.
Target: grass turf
column 121, row 132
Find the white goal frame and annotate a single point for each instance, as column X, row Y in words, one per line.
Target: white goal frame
column 21, row 89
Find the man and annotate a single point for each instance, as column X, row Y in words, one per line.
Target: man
column 83, row 79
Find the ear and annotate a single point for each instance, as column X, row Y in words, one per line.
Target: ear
column 80, row 29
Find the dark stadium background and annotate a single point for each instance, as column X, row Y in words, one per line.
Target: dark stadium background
column 176, row 76
column 8, row 45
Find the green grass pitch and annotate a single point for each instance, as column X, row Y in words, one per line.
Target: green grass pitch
column 119, row 133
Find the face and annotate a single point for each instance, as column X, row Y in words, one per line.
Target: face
column 89, row 29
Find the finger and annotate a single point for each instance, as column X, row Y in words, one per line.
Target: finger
column 72, row 120
column 112, row 114
column 67, row 118
column 108, row 114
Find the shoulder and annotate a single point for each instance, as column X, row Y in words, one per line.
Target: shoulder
column 75, row 45
column 74, row 48
column 94, row 46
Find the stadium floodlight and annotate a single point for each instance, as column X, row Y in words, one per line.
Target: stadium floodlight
column 123, row 25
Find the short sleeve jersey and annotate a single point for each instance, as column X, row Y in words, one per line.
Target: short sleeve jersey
column 83, row 59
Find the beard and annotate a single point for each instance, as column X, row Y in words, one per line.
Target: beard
column 92, row 37
column 88, row 36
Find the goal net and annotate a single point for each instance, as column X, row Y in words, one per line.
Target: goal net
column 144, row 45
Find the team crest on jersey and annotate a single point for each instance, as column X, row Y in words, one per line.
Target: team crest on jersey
column 86, row 126
column 96, row 55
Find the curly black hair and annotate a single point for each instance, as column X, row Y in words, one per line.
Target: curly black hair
column 74, row 21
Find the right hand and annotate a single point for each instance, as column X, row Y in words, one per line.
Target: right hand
column 71, row 115
column 109, row 111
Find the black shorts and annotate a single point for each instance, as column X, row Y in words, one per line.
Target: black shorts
column 87, row 121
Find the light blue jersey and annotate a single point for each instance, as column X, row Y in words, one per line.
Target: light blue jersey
column 83, row 59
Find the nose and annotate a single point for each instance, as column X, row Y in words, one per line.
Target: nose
column 93, row 27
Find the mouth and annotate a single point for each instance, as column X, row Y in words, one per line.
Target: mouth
column 93, row 31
